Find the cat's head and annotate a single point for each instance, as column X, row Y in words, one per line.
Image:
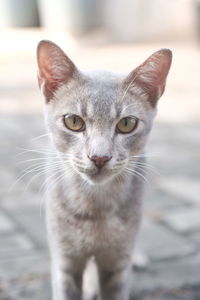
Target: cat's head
column 99, row 121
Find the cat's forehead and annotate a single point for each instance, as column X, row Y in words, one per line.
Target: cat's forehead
column 99, row 94
column 102, row 92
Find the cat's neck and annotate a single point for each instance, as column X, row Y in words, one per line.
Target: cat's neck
column 75, row 182
column 81, row 198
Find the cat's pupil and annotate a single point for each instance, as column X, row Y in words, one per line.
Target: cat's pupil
column 74, row 120
column 125, row 122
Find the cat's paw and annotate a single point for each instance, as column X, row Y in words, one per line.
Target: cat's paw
column 139, row 260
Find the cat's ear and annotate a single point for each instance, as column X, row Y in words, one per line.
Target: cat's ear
column 55, row 68
column 150, row 77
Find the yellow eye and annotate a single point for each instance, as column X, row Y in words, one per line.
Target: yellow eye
column 127, row 125
column 74, row 123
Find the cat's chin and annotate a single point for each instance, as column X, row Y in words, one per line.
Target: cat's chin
column 96, row 179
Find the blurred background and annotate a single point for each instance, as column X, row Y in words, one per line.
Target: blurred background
column 106, row 34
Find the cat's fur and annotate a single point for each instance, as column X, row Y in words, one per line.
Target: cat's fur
column 92, row 213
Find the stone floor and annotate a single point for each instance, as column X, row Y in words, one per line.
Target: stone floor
column 170, row 233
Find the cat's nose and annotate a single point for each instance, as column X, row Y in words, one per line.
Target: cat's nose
column 100, row 161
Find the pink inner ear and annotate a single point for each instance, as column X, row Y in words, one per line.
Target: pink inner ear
column 48, row 82
column 151, row 75
column 55, row 68
column 39, row 80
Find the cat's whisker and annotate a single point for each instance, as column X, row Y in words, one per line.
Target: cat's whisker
column 35, row 151
column 31, row 169
column 127, row 106
column 56, row 170
column 121, row 163
column 134, row 172
column 39, row 168
column 148, row 154
column 39, row 151
column 142, row 168
column 77, row 161
column 47, row 186
column 35, row 166
column 143, row 164
column 48, row 179
column 41, row 171
column 138, row 175
column 79, row 165
column 40, row 136
column 18, row 179
column 119, row 177
column 128, row 87
column 47, row 183
column 38, row 174
column 57, row 179
column 38, row 159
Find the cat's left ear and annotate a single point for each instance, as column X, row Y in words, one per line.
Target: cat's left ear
column 150, row 77
column 55, row 68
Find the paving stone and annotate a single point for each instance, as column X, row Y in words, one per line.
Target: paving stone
column 32, row 287
column 173, row 153
column 3, row 296
column 177, row 294
column 6, row 224
column 18, row 201
column 12, row 245
column 158, row 200
column 160, row 243
column 195, row 238
column 29, row 264
column 184, row 220
column 33, row 222
column 167, row 276
column 7, row 179
column 185, row 188
column 26, row 277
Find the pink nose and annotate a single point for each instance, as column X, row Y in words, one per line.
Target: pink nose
column 100, row 161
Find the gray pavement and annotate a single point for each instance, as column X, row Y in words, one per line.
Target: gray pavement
column 170, row 233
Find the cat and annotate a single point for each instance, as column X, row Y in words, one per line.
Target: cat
column 98, row 122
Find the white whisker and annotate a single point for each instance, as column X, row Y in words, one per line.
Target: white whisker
column 47, row 185
column 41, row 171
column 148, row 154
column 134, row 172
column 38, row 159
column 145, row 166
column 128, row 87
column 40, row 136
column 41, row 151
column 36, row 166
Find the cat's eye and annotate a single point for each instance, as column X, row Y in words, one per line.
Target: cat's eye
column 74, row 123
column 126, row 125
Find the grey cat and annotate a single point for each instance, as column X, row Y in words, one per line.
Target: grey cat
column 99, row 122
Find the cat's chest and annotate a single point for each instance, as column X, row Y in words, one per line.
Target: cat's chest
column 95, row 233
column 90, row 225
column 91, row 232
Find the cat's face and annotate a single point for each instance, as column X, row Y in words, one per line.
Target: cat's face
column 99, row 121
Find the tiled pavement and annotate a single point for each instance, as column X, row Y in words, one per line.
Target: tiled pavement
column 170, row 233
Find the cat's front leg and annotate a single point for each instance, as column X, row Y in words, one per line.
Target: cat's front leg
column 114, row 282
column 67, row 278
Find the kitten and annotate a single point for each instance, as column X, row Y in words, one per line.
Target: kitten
column 99, row 122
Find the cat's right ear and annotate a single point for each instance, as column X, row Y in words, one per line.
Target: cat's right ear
column 150, row 77
column 55, row 68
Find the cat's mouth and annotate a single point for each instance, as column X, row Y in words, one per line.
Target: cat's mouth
column 98, row 177
column 95, row 175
